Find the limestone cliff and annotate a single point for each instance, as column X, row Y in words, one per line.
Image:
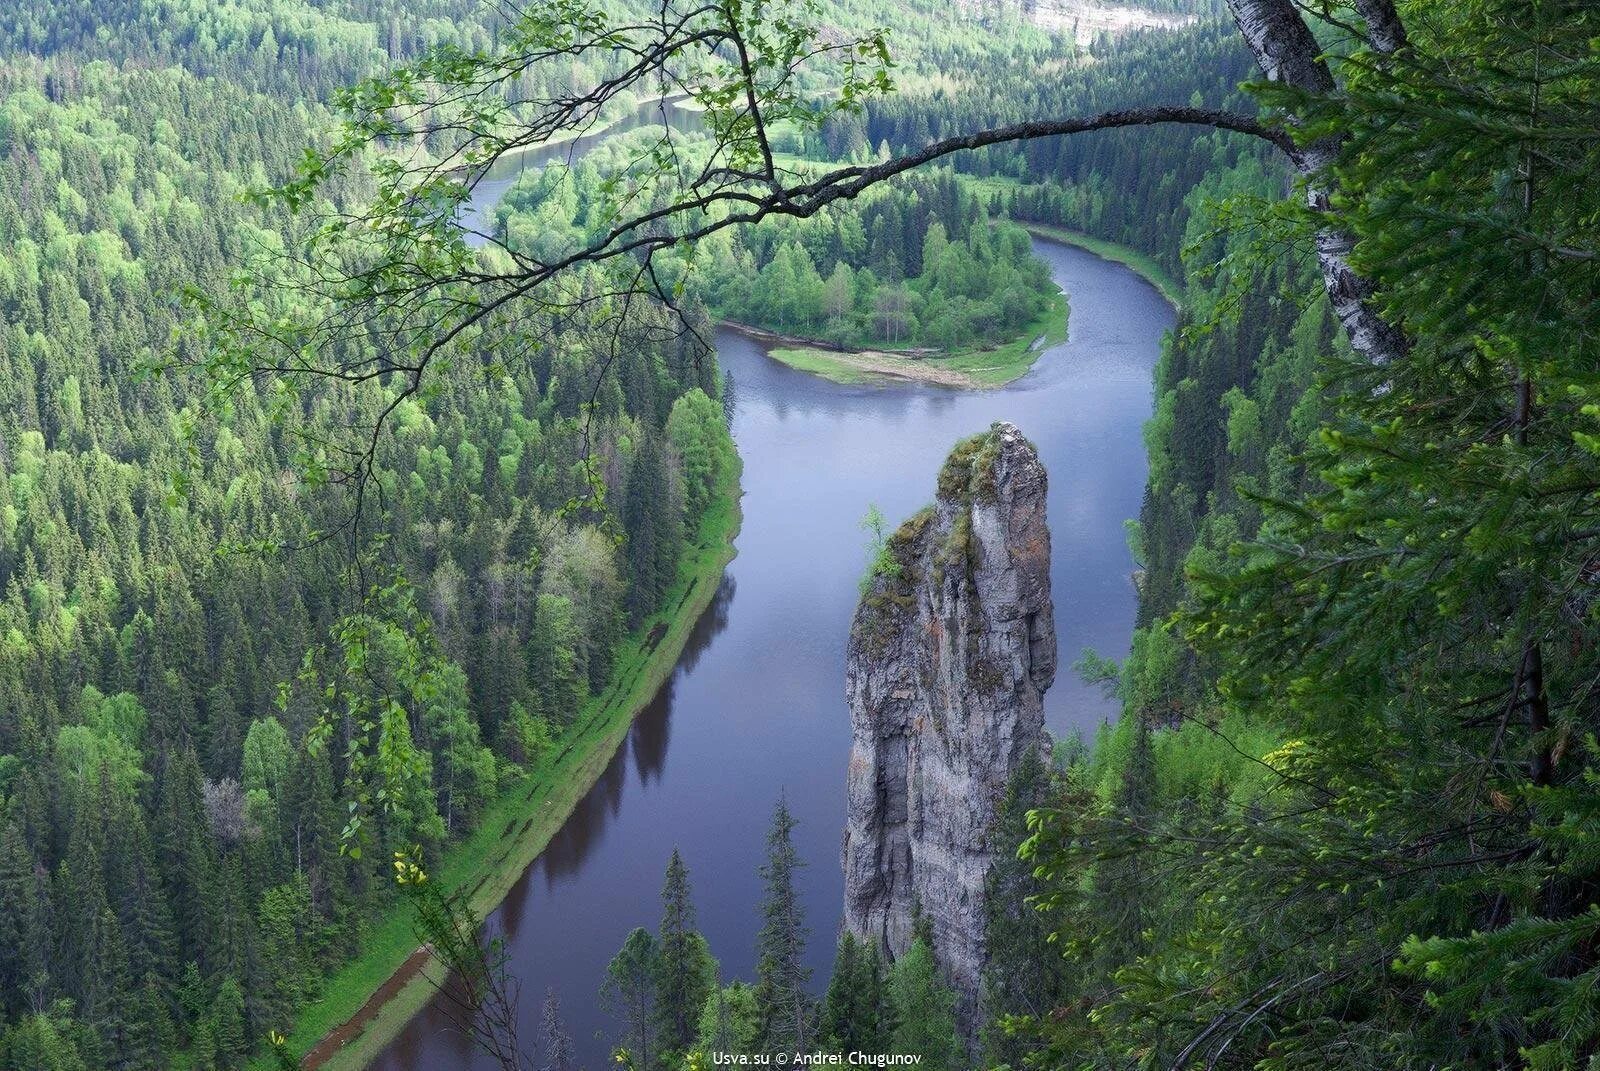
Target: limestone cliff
column 951, row 650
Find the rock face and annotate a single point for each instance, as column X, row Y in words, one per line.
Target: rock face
column 951, row 650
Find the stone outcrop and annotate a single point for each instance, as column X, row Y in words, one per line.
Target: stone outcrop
column 951, row 650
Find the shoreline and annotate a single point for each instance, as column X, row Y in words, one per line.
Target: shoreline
column 391, row 975
column 1139, row 263
column 973, row 368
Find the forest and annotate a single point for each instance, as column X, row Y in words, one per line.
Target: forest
column 173, row 877
column 918, row 263
column 278, row 629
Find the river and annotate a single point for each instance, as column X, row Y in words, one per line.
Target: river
column 756, row 707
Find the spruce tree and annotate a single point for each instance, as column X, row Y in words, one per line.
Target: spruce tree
column 782, row 979
column 81, row 895
column 1119, row 885
column 311, row 824
column 654, row 530
column 226, row 1023
column 186, row 857
column 686, row 971
column 24, row 921
column 853, row 1012
column 839, row 1005
column 1024, row 975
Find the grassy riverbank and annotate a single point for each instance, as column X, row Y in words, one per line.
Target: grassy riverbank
column 1145, row 265
column 367, row 1002
column 973, row 368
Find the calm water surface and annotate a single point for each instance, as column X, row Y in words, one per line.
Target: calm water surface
column 756, row 708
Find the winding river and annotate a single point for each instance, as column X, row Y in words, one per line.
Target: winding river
column 756, row 706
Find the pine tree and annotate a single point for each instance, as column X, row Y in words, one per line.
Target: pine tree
column 782, row 979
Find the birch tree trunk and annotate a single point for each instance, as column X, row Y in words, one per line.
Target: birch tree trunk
column 1287, row 52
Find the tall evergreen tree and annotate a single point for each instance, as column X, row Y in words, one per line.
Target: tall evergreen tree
column 1119, row 885
column 855, row 1016
column 24, row 922
column 654, row 530
column 782, row 979
column 226, row 1024
column 1021, row 977
column 686, row 971
column 186, row 856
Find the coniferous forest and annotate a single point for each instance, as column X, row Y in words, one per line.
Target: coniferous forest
column 350, row 524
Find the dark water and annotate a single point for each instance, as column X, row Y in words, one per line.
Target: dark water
column 756, row 707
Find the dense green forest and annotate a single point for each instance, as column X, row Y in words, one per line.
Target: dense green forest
column 1343, row 821
column 172, row 873
column 919, row 262
column 176, row 863
column 915, row 263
